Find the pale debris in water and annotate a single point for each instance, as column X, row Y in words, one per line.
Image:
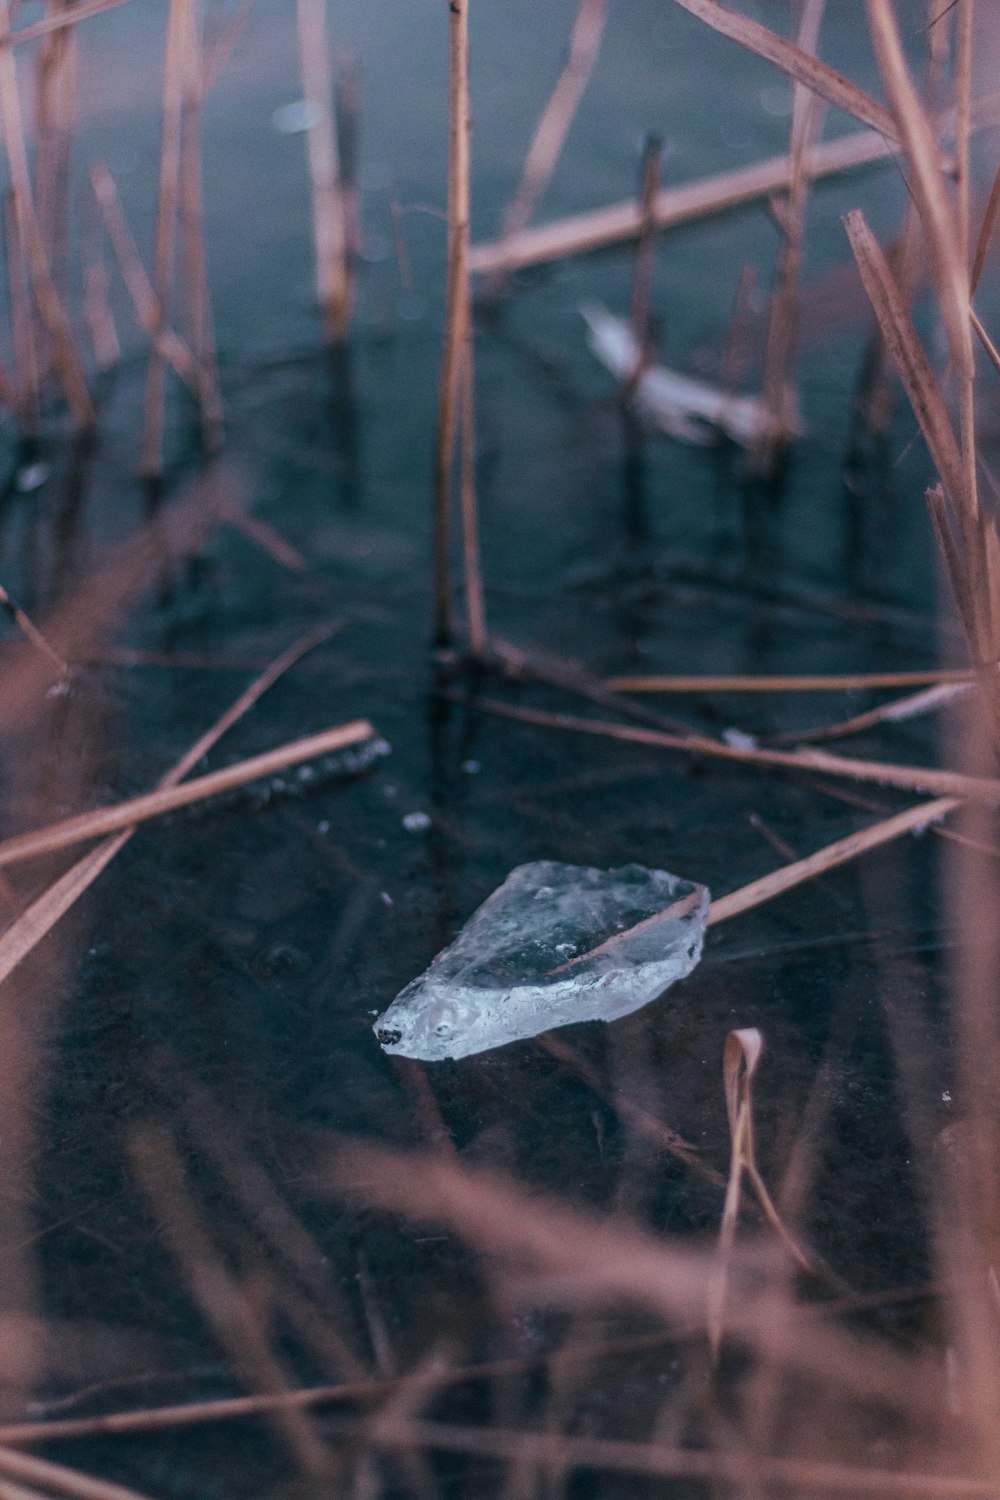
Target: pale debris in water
column 684, row 408
column 555, row 944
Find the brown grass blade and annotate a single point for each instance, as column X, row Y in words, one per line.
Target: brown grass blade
column 136, row 810
column 672, row 207
column 797, row 63
column 740, row 1058
column 893, row 712
column 913, row 129
column 32, row 633
column 900, row 336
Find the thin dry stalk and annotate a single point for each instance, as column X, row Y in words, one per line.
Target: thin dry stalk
column 719, row 193
column 59, row 1480
column 457, row 317
column 553, row 127
column 32, row 633
column 50, row 309
column 329, row 220
column 947, row 784
column 779, row 403
column 55, row 112
column 71, row 15
column 798, row 63
column 141, row 809
column 193, row 227
column 990, row 349
column 949, row 269
column 38, row 919
column 178, row 51
column 221, row 1300
column 985, row 232
column 963, row 125
column 222, row 44
column 22, row 321
column 173, row 348
column 96, row 308
column 640, row 305
column 347, row 92
column 652, row 1460
column 843, row 683
column 899, row 709
column 475, row 608
column 828, row 858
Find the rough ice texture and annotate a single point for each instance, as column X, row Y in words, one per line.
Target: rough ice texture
column 553, row 945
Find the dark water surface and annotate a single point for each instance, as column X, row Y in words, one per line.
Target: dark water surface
column 227, row 967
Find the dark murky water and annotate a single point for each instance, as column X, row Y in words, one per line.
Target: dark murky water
column 244, row 950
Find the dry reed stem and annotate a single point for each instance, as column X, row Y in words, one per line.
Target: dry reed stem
column 347, row 109
column 236, row 1408
column 552, row 1248
column 475, row 608
column 985, row 232
column 329, row 223
column 55, row 110
column 799, row 64
column 553, row 126
column 778, row 396
column 140, row 289
column 21, row 321
column 893, row 712
column 710, row 195
column 156, row 804
column 57, row 1479
column 963, row 126
column 72, row 15
column 457, row 317
column 223, row 1302
column 47, row 300
column 96, row 308
column 651, row 1460
column 38, row 919
column 641, row 301
column 221, row 46
column 844, row 683
column 193, row 240
column 178, row 51
column 937, row 215
column 32, row 632
column 948, row 784
column 990, row 349
column 897, row 330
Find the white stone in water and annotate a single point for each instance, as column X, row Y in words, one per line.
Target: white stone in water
column 553, row 945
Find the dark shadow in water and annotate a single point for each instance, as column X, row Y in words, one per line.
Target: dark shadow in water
column 345, row 425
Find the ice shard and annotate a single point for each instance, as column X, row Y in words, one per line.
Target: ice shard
column 554, row 944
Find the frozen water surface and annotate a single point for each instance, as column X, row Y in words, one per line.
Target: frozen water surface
column 553, row 945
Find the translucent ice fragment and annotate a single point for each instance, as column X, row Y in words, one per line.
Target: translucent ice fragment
column 683, row 407
column 555, row 944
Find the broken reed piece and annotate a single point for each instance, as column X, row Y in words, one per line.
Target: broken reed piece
column 34, row 923
column 716, row 194
column 167, row 799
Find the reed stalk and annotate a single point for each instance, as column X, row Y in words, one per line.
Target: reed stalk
column 178, row 52
column 329, row 220
column 47, row 300
column 457, row 316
